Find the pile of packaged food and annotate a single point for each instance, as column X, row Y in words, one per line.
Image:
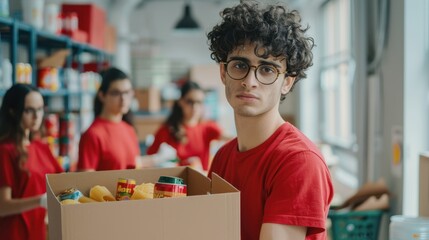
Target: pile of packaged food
column 126, row 189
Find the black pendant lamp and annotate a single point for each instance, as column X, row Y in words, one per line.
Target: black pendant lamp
column 187, row 21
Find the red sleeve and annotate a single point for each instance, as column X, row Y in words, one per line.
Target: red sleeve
column 213, row 131
column 89, row 151
column 6, row 167
column 299, row 193
column 161, row 135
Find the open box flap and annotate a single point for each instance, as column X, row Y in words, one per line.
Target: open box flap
column 220, row 185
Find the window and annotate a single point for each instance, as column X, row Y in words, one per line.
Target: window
column 337, row 75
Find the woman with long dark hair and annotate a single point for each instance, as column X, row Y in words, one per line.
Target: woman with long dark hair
column 24, row 161
column 110, row 143
column 185, row 130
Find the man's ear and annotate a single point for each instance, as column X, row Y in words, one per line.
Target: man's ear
column 222, row 70
column 287, row 84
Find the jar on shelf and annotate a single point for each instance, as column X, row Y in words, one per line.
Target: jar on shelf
column 52, row 22
column 23, row 73
column 4, row 8
column 33, row 12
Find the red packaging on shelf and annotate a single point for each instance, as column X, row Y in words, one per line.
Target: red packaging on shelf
column 91, row 19
column 92, row 66
column 77, row 35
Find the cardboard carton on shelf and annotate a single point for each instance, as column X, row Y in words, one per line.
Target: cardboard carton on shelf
column 57, row 59
column 147, row 125
column 149, row 99
column 110, row 39
column 91, row 19
column 211, row 211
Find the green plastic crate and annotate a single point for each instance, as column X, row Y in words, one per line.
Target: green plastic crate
column 355, row 225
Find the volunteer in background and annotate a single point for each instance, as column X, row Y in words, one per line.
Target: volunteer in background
column 24, row 161
column 284, row 183
column 110, row 143
column 185, row 130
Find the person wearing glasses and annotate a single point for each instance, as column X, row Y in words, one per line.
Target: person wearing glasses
column 284, row 182
column 186, row 132
column 110, row 143
column 24, row 161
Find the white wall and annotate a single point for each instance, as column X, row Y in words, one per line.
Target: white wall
column 307, row 91
column 404, row 85
column 403, row 100
column 416, row 88
column 154, row 24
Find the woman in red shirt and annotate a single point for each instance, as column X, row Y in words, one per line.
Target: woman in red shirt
column 185, row 131
column 110, row 143
column 24, row 161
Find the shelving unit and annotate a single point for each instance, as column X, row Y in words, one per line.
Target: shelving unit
column 19, row 35
column 16, row 33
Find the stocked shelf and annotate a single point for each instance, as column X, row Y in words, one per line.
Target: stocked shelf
column 9, row 27
column 18, row 33
column 67, row 90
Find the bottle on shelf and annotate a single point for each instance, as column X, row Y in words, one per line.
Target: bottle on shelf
column 6, row 68
column 33, row 12
column 4, row 8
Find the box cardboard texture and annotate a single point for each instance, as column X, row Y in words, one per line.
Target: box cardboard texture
column 197, row 216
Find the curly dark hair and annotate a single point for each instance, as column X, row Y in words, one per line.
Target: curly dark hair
column 275, row 30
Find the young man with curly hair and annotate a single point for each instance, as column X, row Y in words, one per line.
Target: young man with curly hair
column 285, row 184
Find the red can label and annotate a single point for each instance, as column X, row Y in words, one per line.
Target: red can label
column 165, row 190
column 125, row 189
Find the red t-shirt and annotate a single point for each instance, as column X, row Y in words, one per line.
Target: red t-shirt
column 108, row 145
column 284, row 181
column 198, row 144
column 29, row 225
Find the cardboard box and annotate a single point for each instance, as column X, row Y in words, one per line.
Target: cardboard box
column 200, row 215
column 91, row 19
column 110, row 39
column 424, row 185
column 55, row 60
column 149, row 99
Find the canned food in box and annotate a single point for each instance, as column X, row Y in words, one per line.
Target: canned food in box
column 125, row 189
column 170, row 187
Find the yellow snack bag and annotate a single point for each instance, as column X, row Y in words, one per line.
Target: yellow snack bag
column 143, row 191
column 85, row 199
column 69, row 202
column 101, row 194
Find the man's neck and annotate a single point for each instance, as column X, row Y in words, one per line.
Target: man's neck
column 253, row 131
